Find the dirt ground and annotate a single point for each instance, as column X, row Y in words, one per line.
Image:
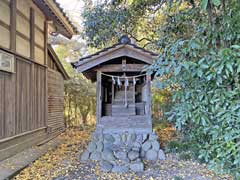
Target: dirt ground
column 63, row 164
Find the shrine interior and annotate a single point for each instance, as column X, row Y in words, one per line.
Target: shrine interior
column 121, row 98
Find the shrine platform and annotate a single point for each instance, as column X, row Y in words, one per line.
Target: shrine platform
column 119, row 124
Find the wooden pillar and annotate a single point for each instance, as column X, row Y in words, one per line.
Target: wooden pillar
column 32, row 33
column 46, row 42
column 13, row 25
column 46, row 70
column 134, row 92
column 124, row 64
column 112, row 92
column 148, row 102
column 99, row 96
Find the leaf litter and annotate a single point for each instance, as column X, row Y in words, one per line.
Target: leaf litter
column 63, row 163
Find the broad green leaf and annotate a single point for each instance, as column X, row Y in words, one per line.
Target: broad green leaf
column 229, row 66
column 177, row 70
column 204, row 66
column 216, row 2
column 238, row 68
column 235, row 46
column 204, row 4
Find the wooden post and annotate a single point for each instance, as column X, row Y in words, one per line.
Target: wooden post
column 46, row 42
column 13, row 25
column 99, row 96
column 32, row 34
column 148, row 103
column 46, row 70
column 133, row 93
column 124, row 64
column 112, row 92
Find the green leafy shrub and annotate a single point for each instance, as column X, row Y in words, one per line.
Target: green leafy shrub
column 203, row 69
column 173, row 146
column 185, row 156
column 180, row 146
column 199, row 44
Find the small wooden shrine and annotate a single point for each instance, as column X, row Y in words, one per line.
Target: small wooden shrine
column 123, row 87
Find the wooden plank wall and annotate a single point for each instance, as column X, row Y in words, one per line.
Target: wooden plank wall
column 5, row 24
column 55, row 101
column 51, row 64
column 22, row 99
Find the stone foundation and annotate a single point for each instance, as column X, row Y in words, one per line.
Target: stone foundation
column 122, row 152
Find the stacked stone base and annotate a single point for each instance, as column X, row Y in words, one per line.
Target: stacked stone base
column 122, row 152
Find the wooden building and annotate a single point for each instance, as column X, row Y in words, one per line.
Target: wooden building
column 123, row 87
column 31, row 75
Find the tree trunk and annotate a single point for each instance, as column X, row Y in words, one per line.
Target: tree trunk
column 84, row 117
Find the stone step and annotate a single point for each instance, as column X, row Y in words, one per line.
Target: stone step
column 121, row 96
column 118, row 101
column 121, row 110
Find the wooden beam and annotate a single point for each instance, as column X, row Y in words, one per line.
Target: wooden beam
column 119, row 68
column 19, row 13
column 23, row 36
column 13, row 18
column 3, row 24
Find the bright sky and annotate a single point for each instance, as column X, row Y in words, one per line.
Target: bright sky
column 72, row 7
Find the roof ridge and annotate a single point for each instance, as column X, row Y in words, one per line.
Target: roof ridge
column 74, row 64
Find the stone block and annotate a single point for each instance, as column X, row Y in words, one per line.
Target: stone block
column 147, row 145
column 161, row 155
column 92, row 146
column 133, row 155
column 151, row 155
column 108, row 138
column 120, row 169
column 142, row 153
column 136, row 149
column 96, row 156
column 107, row 145
column 139, row 138
column 124, row 138
column 137, row 144
column 152, row 136
column 108, row 155
column 106, row 166
column 137, row 167
column 99, row 146
column 85, row 155
column 121, row 155
column 117, row 139
column 145, row 136
column 155, row 145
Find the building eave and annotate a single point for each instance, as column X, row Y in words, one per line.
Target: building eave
column 115, row 51
column 54, row 12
